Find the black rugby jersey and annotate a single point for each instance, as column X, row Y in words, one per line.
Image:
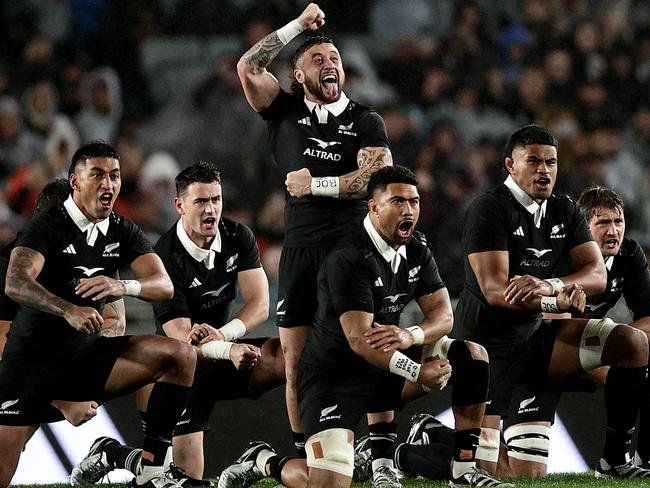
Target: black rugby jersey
column 496, row 221
column 356, row 277
column 627, row 276
column 299, row 141
column 68, row 258
column 204, row 295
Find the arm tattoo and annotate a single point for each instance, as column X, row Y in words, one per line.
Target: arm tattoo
column 25, row 290
column 115, row 327
column 262, row 53
column 369, row 161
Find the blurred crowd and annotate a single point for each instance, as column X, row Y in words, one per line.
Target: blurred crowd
column 451, row 78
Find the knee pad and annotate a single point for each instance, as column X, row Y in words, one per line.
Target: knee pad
column 488, row 445
column 439, row 348
column 331, row 450
column 593, row 341
column 528, row 442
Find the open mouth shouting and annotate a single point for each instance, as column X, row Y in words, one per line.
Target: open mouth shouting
column 611, row 244
column 106, row 200
column 405, row 229
column 543, row 184
column 329, row 83
column 210, row 223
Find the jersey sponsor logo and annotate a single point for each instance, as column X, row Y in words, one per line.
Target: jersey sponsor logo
column 215, row 293
column 393, row 298
column 524, row 406
column 108, row 250
column 70, row 250
column 323, row 144
column 88, row 271
column 347, row 129
column 519, row 232
column 4, row 408
column 413, row 274
column 325, row 413
column 231, row 265
column 378, row 282
column 195, row 283
column 315, row 153
column 538, row 253
column 305, row 121
column 555, row 232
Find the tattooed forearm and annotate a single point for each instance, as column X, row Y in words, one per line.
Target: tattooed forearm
column 262, row 53
column 370, row 159
column 114, row 319
column 22, row 287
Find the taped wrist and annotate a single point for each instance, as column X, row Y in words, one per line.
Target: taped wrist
column 233, row 330
column 216, row 350
column 325, row 186
column 557, row 284
column 549, row 304
column 132, row 287
column 417, row 333
column 402, row 365
column 289, row 31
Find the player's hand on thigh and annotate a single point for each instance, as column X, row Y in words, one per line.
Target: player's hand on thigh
column 99, row 287
column 312, row 17
column 86, row 320
column 298, row 183
column 202, row 333
column 572, row 299
column 244, row 356
column 435, row 373
column 388, row 337
column 526, row 287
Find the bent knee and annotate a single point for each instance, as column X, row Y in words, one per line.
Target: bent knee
column 628, row 346
column 478, row 352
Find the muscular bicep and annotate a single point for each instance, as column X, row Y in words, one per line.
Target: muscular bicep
column 354, row 324
column 491, row 270
column 438, row 314
column 154, row 280
column 25, row 261
column 590, row 271
column 253, row 285
column 260, row 86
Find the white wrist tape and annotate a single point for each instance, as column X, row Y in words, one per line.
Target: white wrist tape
column 289, row 31
column 133, row 287
column 417, row 333
column 557, row 284
column 216, row 350
column 403, row 366
column 233, row 330
column 549, row 304
column 326, row 186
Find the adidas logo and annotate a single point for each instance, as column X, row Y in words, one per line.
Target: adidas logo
column 378, row 282
column 519, row 232
column 195, row 283
column 70, row 250
column 305, row 121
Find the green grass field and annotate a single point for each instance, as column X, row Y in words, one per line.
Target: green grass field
column 555, row 481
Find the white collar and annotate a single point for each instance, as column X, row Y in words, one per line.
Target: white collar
column 201, row 255
column 526, row 201
column 388, row 253
column 335, row 108
column 609, row 262
column 83, row 223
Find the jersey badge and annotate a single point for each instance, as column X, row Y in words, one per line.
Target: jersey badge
column 413, row 274
column 108, row 250
column 231, row 263
column 557, row 232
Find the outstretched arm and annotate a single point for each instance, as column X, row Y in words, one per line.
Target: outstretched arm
column 260, row 86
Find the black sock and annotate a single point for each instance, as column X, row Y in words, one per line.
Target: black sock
column 382, row 439
column 165, row 406
column 123, row 457
column 299, row 444
column 430, row 461
column 465, row 444
column 622, row 396
column 643, row 436
column 274, row 467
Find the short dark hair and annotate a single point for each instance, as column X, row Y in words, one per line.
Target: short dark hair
column 201, row 172
column 595, row 197
column 52, row 195
column 380, row 179
column 296, row 88
column 95, row 149
column 529, row 134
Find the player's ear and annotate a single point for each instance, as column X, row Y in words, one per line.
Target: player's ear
column 178, row 203
column 372, row 206
column 509, row 163
column 299, row 75
column 74, row 182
